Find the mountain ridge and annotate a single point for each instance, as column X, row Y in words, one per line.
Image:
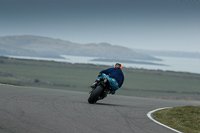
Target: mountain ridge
column 39, row 46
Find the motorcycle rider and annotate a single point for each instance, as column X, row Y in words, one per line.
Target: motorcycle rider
column 115, row 76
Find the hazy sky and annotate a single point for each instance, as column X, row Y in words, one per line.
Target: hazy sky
column 145, row 24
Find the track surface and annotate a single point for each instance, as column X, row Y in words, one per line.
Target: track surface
column 37, row 110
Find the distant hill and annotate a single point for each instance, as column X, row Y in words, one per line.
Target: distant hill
column 37, row 46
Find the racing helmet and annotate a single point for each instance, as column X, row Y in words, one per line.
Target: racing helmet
column 118, row 65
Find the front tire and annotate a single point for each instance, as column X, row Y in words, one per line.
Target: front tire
column 94, row 96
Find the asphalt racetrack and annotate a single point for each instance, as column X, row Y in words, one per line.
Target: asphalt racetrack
column 38, row 110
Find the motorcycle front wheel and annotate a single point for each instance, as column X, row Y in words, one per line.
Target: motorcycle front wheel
column 95, row 94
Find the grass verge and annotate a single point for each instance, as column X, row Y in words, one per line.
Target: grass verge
column 78, row 77
column 185, row 119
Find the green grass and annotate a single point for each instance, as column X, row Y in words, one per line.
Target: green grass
column 185, row 119
column 78, row 77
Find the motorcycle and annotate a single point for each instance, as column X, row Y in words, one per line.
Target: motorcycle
column 100, row 91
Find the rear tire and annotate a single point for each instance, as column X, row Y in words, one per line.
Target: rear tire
column 94, row 96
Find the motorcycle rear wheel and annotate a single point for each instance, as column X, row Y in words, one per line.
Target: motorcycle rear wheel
column 95, row 94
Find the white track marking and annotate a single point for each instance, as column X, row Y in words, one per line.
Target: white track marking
column 150, row 117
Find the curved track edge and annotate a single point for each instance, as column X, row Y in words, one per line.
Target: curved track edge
column 149, row 114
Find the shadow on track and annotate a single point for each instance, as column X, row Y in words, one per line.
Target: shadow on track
column 108, row 104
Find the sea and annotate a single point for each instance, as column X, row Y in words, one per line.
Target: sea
column 191, row 65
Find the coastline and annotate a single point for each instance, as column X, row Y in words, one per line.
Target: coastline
column 168, row 63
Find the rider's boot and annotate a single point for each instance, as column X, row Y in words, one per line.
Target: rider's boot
column 112, row 92
column 94, row 85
